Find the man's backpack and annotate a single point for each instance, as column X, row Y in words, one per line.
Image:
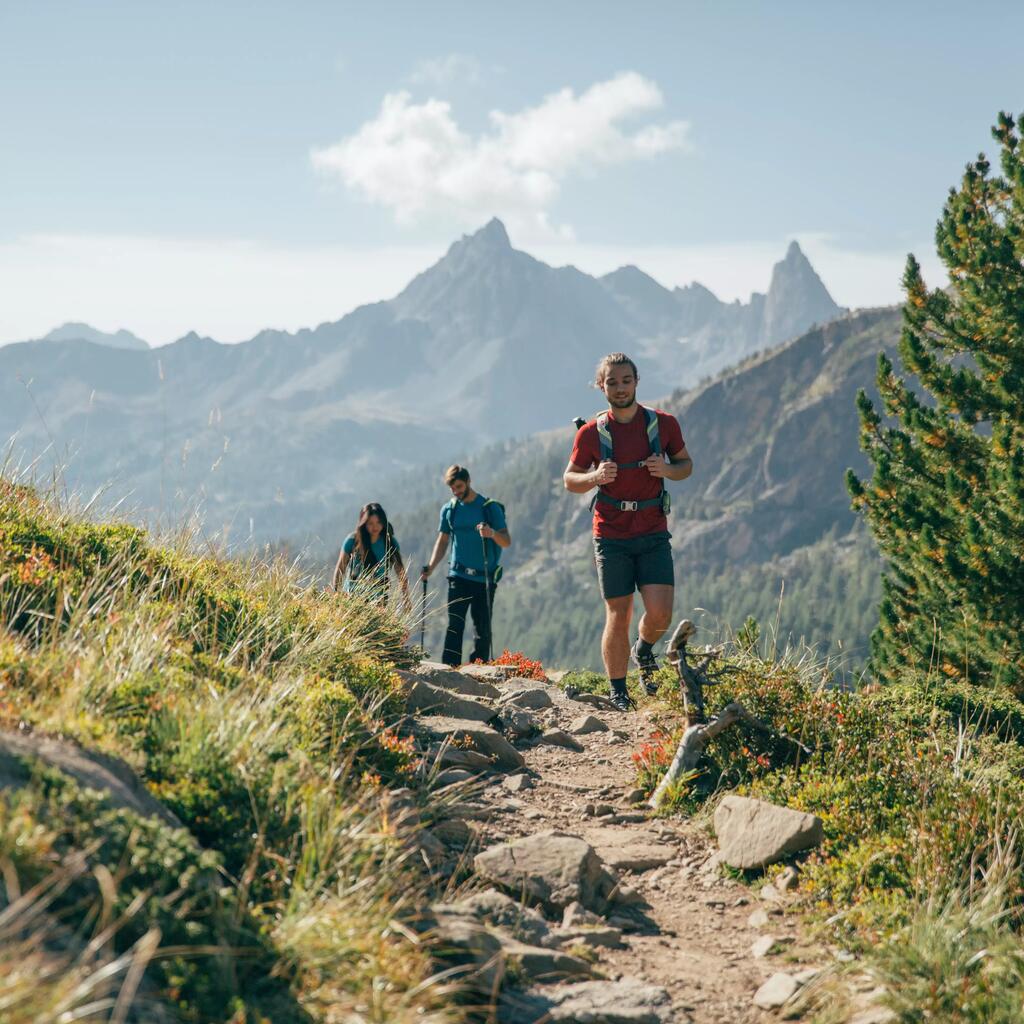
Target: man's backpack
column 604, row 436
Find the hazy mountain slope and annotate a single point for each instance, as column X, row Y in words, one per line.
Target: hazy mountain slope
column 272, row 434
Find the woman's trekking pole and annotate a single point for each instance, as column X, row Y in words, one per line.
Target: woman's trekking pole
column 423, row 611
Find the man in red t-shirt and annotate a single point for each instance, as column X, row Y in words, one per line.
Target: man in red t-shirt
column 631, row 538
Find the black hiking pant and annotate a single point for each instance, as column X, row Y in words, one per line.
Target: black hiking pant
column 468, row 596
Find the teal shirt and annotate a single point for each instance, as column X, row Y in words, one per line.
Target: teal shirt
column 460, row 521
column 355, row 567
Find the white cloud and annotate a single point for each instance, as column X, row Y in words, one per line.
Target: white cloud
column 443, row 71
column 414, row 159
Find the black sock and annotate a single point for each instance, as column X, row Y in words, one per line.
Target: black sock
column 643, row 648
column 618, row 685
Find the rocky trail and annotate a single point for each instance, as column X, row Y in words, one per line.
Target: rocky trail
column 579, row 905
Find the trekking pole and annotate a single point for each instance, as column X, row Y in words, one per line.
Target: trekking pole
column 423, row 611
column 490, row 602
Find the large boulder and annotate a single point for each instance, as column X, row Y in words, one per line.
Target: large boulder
column 753, row 833
column 481, row 739
column 451, row 679
column 627, row 1001
column 430, row 699
column 550, row 868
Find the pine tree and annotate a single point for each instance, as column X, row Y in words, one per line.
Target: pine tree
column 946, row 499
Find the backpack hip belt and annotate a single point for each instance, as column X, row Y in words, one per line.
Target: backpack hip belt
column 494, row 574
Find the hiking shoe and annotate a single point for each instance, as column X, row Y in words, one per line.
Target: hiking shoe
column 621, row 701
column 648, row 665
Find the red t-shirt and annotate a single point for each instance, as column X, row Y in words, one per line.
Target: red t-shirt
column 629, row 444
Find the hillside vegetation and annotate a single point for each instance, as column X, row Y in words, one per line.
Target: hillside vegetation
column 267, row 884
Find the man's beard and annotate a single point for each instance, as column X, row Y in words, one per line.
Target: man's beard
column 622, row 403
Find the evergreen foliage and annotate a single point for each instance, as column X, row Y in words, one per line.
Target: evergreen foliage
column 946, row 499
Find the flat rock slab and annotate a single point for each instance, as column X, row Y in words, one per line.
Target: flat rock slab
column 558, row 738
column 538, row 963
column 595, row 700
column 109, row 776
column 518, row 723
column 450, row 679
column 534, row 698
column 517, row 783
column 590, row 1002
column 489, row 673
column 630, row 849
column 495, row 908
column 754, row 833
column 430, row 699
column 484, row 740
column 776, row 991
column 550, row 868
column 592, row 936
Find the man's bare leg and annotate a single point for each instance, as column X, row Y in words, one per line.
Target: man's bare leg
column 615, row 639
column 657, row 616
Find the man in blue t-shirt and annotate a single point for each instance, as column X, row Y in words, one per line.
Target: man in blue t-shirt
column 476, row 529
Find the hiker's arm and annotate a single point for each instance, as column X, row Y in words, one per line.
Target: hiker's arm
column 679, row 466
column 340, row 568
column 579, row 480
column 440, row 547
column 500, row 537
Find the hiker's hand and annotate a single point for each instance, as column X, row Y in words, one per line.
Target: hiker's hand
column 656, row 465
column 425, row 575
column 605, row 473
column 485, row 530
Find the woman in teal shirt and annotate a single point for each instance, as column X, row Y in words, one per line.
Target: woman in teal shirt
column 368, row 556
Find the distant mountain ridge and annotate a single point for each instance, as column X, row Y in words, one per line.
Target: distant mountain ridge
column 83, row 332
column 270, row 434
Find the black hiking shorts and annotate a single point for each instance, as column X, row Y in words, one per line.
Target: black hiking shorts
column 627, row 565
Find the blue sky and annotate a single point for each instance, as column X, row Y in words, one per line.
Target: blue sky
column 225, row 167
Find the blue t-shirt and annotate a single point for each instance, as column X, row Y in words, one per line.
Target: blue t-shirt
column 460, row 522
column 355, row 568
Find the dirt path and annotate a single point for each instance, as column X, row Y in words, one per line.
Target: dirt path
column 697, row 937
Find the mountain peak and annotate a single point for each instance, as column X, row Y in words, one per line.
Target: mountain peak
column 491, row 236
column 796, row 298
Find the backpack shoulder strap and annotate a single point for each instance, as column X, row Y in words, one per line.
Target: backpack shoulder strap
column 653, row 430
column 604, row 437
column 449, row 514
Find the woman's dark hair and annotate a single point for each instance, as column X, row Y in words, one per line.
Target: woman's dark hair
column 364, row 546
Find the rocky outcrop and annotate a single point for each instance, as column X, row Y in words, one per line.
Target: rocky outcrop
column 482, row 740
